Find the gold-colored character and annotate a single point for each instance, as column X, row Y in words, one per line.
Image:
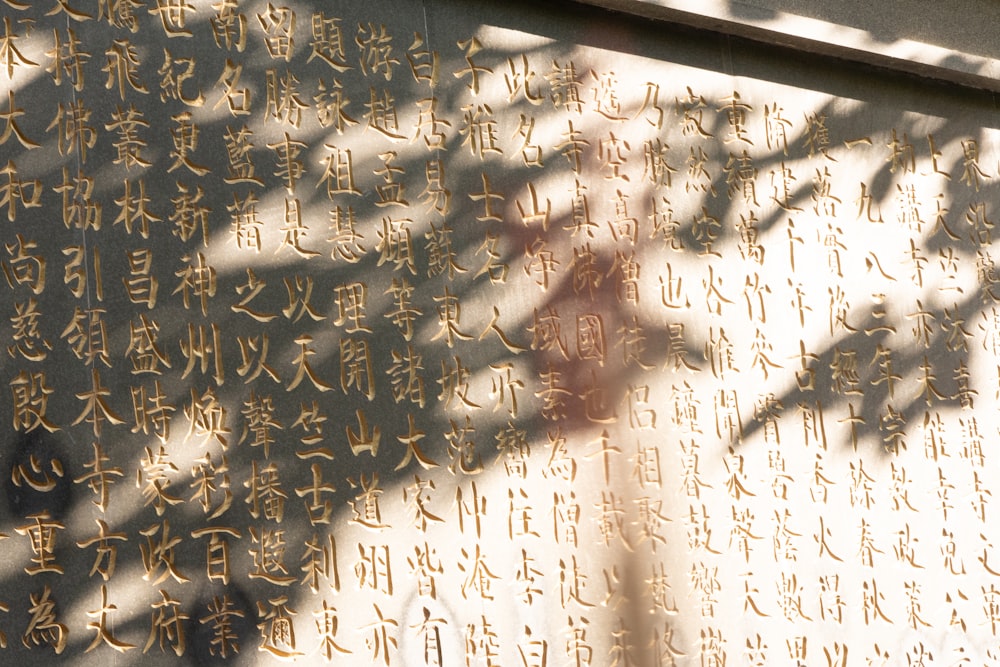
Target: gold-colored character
column 471, row 46
column 479, row 127
column 426, row 567
column 390, row 192
column 229, row 27
column 122, row 68
column 10, row 124
column 42, row 536
column 87, row 336
column 225, row 640
column 173, row 16
column 331, row 106
column 167, row 625
column 135, row 209
column 185, row 140
column 290, row 169
column 441, row 256
column 478, row 577
column 817, row 137
column 519, row 515
column 237, row 99
column 202, row 348
column 380, row 115
column 553, row 393
column 327, row 625
column 566, row 85
column 376, row 50
column 99, row 479
column 245, row 225
column 605, row 94
column 239, row 151
column 311, row 420
column 190, row 216
column 24, row 268
column 470, row 508
column 278, row 24
column 217, row 553
column 268, row 556
column 253, row 352
column 10, row 55
column 380, row 641
column 14, row 192
column 346, row 239
column 26, row 474
column 374, row 568
column 210, row 481
column 492, row 267
column 395, row 244
column 449, row 318
column 66, row 55
column 736, row 111
column 404, row 373
column 44, row 627
column 415, row 497
column 518, row 78
column 253, row 288
column 365, row 439
column 74, row 134
column 410, row 440
column 283, row 103
column 356, row 367
column 318, row 509
column 366, row 506
column 151, row 412
column 532, row 213
column 266, row 497
column 96, row 410
column 304, row 370
column 258, row 413
column 338, row 172
column 154, row 481
column 155, row 554
column 698, row 177
column 294, row 230
column 650, row 109
column 107, row 553
column 198, row 278
column 327, row 42
column 424, row 64
column 207, row 417
column 546, row 332
column 173, row 73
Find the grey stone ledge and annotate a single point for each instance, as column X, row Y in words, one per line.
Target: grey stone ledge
column 821, row 37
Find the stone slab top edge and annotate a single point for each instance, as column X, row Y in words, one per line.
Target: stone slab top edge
column 818, row 37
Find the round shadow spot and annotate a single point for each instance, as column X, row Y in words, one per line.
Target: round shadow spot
column 37, row 480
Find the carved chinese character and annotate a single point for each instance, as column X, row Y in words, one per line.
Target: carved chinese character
column 44, row 627
column 225, row 639
column 100, row 626
column 229, row 27
column 278, row 24
column 277, row 628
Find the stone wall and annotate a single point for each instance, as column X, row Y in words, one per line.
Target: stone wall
column 489, row 334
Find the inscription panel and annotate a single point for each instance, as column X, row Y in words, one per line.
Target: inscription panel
column 403, row 334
